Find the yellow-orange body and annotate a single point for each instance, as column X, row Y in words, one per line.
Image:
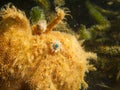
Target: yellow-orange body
column 28, row 61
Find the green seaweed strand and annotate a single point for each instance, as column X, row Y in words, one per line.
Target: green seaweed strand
column 103, row 23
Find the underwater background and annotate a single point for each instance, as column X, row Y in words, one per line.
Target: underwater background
column 97, row 22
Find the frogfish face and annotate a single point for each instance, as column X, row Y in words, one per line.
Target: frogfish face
column 49, row 61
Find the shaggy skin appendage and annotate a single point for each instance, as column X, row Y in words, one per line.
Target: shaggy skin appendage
column 49, row 61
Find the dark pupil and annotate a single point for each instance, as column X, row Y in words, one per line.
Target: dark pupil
column 55, row 46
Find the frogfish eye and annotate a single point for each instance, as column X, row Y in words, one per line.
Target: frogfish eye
column 56, row 46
